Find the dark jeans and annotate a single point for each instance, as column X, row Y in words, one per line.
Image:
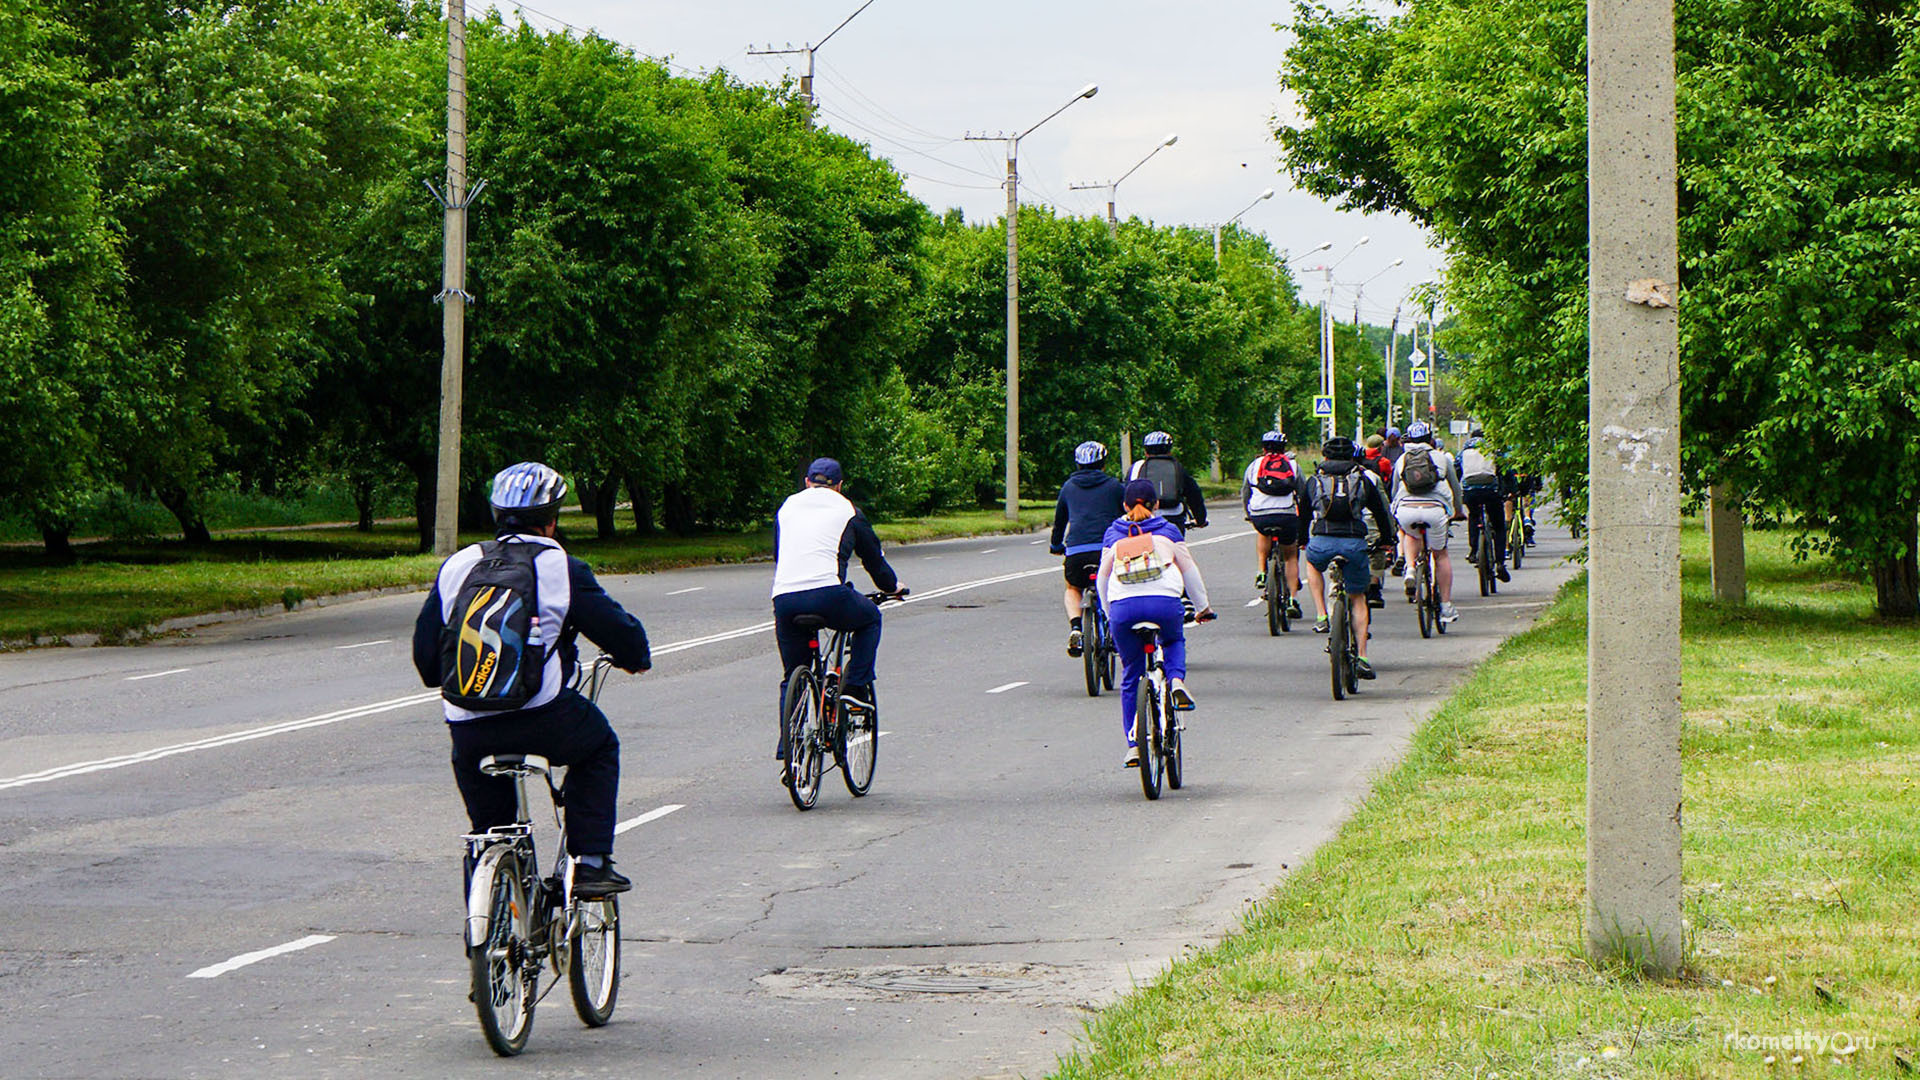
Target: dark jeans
column 844, row 608
column 570, row 731
column 1488, row 502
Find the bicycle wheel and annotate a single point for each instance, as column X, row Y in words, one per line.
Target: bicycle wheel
column 594, row 971
column 1517, row 537
column 1338, row 631
column 1422, row 593
column 1090, row 649
column 800, row 712
column 1352, row 666
column 856, row 746
column 1275, row 593
column 1146, row 719
column 1171, row 753
column 502, row 973
column 1109, row 655
column 1484, row 557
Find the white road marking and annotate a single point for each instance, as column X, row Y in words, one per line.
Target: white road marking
column 651, row 815
column 156, row 674
column 1493, row 607
column 82, row 768
column 1256, row 601
column 1030, row 543
column 216, row 970
column 989, row 551
column 1007, row 687
column 364, row 644
column 683, row 592
column 1219, row 539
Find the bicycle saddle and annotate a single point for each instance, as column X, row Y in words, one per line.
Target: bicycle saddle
column 810, row 622
column 509, row 764
column 1146, row 626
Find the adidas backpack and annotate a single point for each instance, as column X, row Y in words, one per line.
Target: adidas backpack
column 492, row 652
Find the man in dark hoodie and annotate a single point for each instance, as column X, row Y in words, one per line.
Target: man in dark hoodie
column 1089, row 501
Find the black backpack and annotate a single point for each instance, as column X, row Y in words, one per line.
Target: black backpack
column 1165, row 474
column 1342, row 496
column 491, row 650
column 1418, row 474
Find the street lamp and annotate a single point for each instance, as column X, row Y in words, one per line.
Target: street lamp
column 1217, row 229
column 1013, row 293
column 806, row 81
column 1326, row 330
column 1360, row 288
column 1113, row 223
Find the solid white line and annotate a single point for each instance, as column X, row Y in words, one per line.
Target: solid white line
column 683, row 592
column 82, row 768
column 1007, row 687
column 217, row 970
column 364, row 644
column 156, row 674
column 651, row 815
column 1490, row 607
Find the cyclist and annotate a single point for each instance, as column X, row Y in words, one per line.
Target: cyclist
column 1145, row 569
column 1380, row 532
column 1180, row 500
column 1089, row 501
column 1426, row 491
column 1391, row 447
column 1377, row 459
column 1484, row 489
column 1345, row 502
column 523, row 587
column 816, row 532
column 1269, row 492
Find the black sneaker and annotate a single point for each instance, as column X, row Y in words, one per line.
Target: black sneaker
column 858, row 699
column 1293, row 608
column 1374, row 599
column 598, row 882
column 1361, row 668
column 1074, row 642
column 1500, row 571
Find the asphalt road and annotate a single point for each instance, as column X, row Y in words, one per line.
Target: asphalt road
column 170, row 810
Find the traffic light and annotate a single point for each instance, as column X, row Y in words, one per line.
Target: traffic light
column 1399, row 413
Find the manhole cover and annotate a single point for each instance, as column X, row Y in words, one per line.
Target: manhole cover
column 945, row 984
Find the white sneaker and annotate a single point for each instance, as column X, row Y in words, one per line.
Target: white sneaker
column 1448, row 613
column 1133, row 758
column 1177, row 693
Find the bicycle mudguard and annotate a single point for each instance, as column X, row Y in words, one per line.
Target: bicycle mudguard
column 480, row 895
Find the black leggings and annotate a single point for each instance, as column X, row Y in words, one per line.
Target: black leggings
column 1486, row 501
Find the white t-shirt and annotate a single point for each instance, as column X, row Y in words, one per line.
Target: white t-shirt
column 1446, row 493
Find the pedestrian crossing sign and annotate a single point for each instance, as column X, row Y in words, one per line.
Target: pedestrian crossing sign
column 1323, row 405
column 1419, row 377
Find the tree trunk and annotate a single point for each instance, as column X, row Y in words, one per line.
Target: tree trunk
column 1896, row 580
column 423, row 502
column 193, row 526
column 606, row 494
column 642, row 509
column 677, row 508
column 58, row 540
column 363, row 504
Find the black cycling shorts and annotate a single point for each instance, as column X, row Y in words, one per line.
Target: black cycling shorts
column 1284, row 528
column 1081, row 567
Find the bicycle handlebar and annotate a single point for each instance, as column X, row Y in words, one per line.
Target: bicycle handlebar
column 880, row 598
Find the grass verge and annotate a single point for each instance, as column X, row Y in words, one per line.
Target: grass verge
column 1439, row 934
column 118, row 589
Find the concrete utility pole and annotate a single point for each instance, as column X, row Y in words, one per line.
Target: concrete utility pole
column 1633, row 609
column 1113, row 189
column 1218, row 229
column 453, row 283
column 806, row 81
column 1726, row 536
column 1013, row 293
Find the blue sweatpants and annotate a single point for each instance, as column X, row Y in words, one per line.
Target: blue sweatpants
column 1164, row 610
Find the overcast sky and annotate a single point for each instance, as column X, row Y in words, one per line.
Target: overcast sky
column 909, row 78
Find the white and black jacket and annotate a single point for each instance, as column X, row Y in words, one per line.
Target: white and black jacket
column 815, row 534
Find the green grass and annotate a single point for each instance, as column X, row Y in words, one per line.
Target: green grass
column 1439, row 934
column 118, row 588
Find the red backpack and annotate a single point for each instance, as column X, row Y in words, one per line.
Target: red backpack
column 1275, row 475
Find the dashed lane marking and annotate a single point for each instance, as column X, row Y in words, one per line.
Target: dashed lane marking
column 156, row 674
column 683, row 592
column 651, row 815
column 989, row 551
column 214, row 971
column 1007, row 687
column 364, row 644
column 1256, row 601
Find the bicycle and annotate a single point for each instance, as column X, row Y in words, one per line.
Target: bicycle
column 1520, row 529
column 1343, row 646
column 1097, row 652
column 1483, row 549
column 1278, row 593
column 819, row 724
column 1426, row 598
column 518, row 922
column 1156, row 731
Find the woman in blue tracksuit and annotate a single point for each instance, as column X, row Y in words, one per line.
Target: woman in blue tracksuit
column 1156, row 601
column 1089, row 501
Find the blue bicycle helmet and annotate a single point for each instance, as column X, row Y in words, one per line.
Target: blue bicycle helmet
column 1274, row 442
column 1089, row 453
column 527, row 494
column 1419, row 431
column 1156, row 439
